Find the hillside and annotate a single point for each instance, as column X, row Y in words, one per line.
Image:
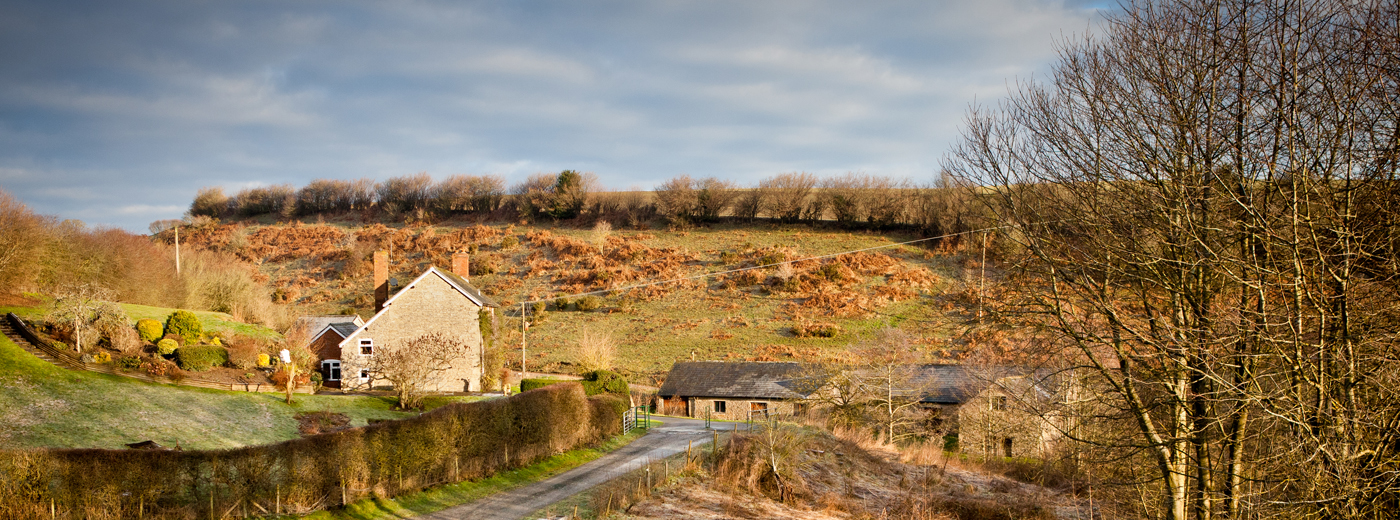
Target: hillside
column 758, row 314
column 50, row 407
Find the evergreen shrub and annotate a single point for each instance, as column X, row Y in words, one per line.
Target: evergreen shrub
column 589, row 303
column 167, row 346
column 604, row 382
column 184, row 323
column 150, row 330
column 199, row 358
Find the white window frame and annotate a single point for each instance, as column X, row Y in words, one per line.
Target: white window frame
column 364, row 375
column 367, row 343
column 336, row 369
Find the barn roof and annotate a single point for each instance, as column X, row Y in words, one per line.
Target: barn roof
column 761, row 380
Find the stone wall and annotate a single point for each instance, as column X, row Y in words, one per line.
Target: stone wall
column 736, row 409
column 430, row 305
column 994, row 420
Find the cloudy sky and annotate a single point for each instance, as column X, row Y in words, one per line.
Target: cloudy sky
column 115, row 113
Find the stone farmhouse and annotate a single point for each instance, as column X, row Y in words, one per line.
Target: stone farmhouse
column 436, row 301
column 993, row 411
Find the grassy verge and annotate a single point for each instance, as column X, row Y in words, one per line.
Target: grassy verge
column 443, row 497
column 51, row 407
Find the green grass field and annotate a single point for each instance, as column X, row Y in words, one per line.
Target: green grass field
column 48, row 406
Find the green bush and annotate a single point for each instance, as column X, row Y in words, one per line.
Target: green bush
column 129, row 363
column 561, row 303
column 509, row 241
column 604, row 382
column 590, row 303
column 198, row 358
column 167, row 346
column 150, row 330
column 184, row 323
column 527, row 385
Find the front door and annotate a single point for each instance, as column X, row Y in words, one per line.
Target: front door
column 330, row 373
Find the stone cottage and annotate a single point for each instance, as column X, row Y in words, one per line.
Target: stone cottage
column 733, row 391
column 436, row 301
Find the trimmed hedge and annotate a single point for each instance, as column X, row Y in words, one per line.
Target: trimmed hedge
column 457, row 442
column 604, row 382
column 198, row 358
column 527, row 385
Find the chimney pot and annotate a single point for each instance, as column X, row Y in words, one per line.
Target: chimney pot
column 381, row 279
column 461, row 265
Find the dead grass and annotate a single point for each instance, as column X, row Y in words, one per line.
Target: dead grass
column 849, row 474
column 322, row 269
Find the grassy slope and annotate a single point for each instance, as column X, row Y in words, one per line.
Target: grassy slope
column 47, row 406
column 703, row 321
column 215, row 322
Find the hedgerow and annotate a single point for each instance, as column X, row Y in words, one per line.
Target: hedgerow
column 461, row 441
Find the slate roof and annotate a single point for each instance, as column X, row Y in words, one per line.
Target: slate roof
column 755, row 380
column 344, row 329
column 956, row 384
column 463, row 285
column 315, row 325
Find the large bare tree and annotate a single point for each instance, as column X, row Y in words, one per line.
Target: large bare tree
column 1206, row 193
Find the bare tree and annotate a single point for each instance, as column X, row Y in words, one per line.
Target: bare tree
column 413, row 365
column 23, row 237
column 1202, row 193
column 84, row 311
column 787, row 195
column 888, row 376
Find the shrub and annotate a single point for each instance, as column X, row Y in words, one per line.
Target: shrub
column 102, row 358
column 156, row 368
column 216, row 342
column 561, row 303
column 590, row 303
column 129, row 362
column 167, row 346
column 150, row 330
column 527, row 385
column 184, row 323
column 243, row 352
column 264, row 360
column 198, row 358
column 509, row 241
column 815, row 330
column 604, row 382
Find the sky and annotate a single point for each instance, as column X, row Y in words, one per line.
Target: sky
column 116, row 113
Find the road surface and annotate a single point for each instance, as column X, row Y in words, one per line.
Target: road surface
column 663, row 441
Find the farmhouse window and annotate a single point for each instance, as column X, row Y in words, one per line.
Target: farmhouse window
column 758, row 409
column 999, row 403
column 331, row 369
column 364, row 375
column 366, row 347
column 720, row 406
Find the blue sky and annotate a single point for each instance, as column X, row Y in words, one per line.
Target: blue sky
column 115, row 113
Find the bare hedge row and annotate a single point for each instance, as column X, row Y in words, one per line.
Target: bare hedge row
column 454, row 443
column 851, row 200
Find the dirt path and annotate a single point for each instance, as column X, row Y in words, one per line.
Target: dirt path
column 669, row 439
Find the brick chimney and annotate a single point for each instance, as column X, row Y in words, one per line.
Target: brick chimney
column 381, row 279
column 461, row 265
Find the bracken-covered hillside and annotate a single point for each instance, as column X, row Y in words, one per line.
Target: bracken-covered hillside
column 801, row 308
